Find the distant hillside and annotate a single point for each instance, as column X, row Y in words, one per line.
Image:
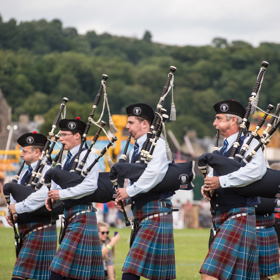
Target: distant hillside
column 41, row 62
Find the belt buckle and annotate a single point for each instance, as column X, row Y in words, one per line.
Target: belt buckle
column 163, row 204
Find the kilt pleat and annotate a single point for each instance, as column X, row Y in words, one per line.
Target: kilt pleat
column 268, row 246
column 37, row 252
column 233, row 253
column 79, row 255
column 152, row 252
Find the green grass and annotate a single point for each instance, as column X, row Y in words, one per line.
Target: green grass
column 190, row 250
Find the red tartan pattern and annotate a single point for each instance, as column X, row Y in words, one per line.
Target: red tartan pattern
column 37, row 252
column 233, row 253
column 79, row 255
column 152, row 253
column 267, row 245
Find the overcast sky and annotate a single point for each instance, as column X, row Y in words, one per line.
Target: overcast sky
column 173, row 22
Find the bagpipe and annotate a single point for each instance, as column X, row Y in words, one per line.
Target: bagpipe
column 90, row 120
column 103, row 194
column 65, row 179
column 47, row 150
column 20, row 192
column 178, row 176
column 268, row 185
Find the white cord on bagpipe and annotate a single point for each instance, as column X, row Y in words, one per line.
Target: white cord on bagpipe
column 162, row 98
column 96, row 123
column 112, row 127
column 109, row 160
column 254, row 103
column 272, row 115
column 168, row 150
column 63, row 113
column 173, row 109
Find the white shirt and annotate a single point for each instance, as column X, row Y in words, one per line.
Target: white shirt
column 251, row 172
column 35, row 200
column 88, row 185
column 155, row 170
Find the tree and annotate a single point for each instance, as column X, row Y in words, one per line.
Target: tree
column 240, row 44
column 36, row 104
column 219, row 42
column 147, row 37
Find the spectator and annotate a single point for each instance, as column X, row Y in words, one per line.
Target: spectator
column 205, row 219
column 188, row 214
column 108, row 249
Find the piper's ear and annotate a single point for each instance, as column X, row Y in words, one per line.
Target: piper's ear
column 234, row 119
column 77, row 135
column 145, row 123
column 37, row 153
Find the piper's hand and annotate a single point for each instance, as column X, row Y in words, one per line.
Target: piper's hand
column 12, row 209
column 54, row 194
column 119, row 204
column 48, row 203
column 211, row 183
column 122, row 194
column 9, row 219
column 206, row 194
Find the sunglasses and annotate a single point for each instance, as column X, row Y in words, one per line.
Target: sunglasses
column 103, row 232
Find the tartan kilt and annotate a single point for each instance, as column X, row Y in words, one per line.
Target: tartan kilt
column 267, row 245
column 37, row 251
column 233, row 253
column 79, row 255
column 152, row 252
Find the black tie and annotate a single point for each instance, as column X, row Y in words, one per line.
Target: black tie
column 66, row 164
column 224, row 148
column 26, row 177
column 135, row 152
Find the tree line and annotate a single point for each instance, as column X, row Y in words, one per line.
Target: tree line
column 42, row 62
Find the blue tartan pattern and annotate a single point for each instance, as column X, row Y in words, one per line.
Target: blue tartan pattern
column 233, row 253
column 267, row 245
column 79, row 255
column 152, row 252
column 37, row 252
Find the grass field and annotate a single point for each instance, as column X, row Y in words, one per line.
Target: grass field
column 190, row 249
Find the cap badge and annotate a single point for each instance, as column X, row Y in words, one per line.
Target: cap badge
column 224, row 107
column 71, row 125
column 137, row 111
column 29, row 140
